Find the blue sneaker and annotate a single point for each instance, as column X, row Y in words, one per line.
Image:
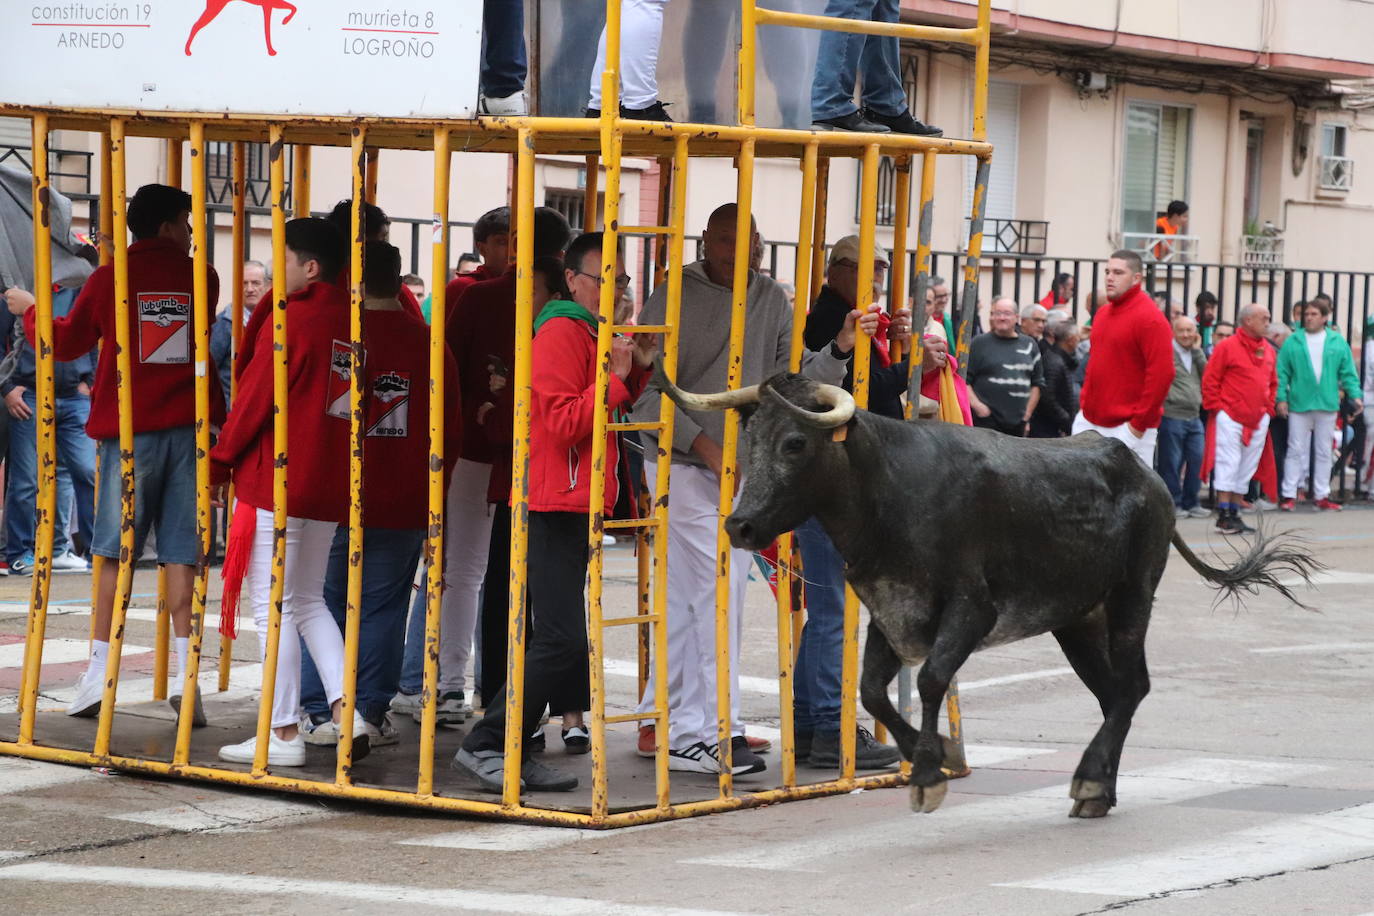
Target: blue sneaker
column 23, row 566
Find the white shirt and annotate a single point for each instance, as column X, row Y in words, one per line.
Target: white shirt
column 1184, row 356
column 1316, row 343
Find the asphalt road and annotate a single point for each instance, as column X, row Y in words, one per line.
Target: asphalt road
column 1247, row 786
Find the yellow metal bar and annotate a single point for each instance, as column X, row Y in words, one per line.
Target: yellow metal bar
column 863, row 27
column 174, row 161
column 634, row 716
column 123, row 369
column 610, row 77
column 106, row 257
column 750, row 19
column 667, row 417
column 983, row 33
column 959, row 765
column 239, row 189
column 162, row 641
column 632, row 427
column 356, row 432
column 520, row 469
column 276, row 591
column 374, row 161
column 47, row 444
column 609, row 524
column 589, row 199
column 434, row 546
column 744, row 197
column 637, row 620
column 897, row 288
column 644, row 230
column 969, row 300
column 300, row 180
column 201, row 309
column 640, row 328
column 818, row 239
column 849, row 676
column 609, row 294
column 924, row 226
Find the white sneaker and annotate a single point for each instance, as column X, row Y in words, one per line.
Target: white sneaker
column 1199, row 512
column 452, row 710
column 511, row 105
column 280, row 752
column 695, row 758
column 406, row 704
column 90, row 690
column 381, row 735
column 197, row 715
column 70, row 562
column 322, row 734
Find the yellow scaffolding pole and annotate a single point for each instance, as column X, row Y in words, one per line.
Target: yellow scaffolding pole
column 106, row 257
column 300, row 180
column 47, row 444
column 239, row 187
column 163, row 637
column 173, row 151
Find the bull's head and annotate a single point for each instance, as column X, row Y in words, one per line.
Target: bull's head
column 792, row 462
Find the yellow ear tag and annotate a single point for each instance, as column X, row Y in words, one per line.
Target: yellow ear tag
column 840, row 434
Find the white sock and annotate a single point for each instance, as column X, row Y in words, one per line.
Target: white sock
column 183, row 648
column 100, row 653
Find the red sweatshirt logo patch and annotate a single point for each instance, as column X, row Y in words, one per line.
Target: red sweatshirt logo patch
column 388, row 406
column 164, row 328
column 340, row 375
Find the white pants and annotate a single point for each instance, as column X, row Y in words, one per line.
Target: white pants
column 641, row 30
column 1144, row 447
column 1302, row 427
column 1235, row 463
column 692, row 515
column 467, row 539
column 303, row 611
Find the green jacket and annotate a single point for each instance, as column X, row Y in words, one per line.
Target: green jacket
column 1300, row 388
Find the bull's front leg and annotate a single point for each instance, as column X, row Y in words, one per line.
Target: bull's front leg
column 881, row 665
column 960, row 632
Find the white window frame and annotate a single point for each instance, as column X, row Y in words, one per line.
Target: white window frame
column 1335, row 171
column 1188, row 162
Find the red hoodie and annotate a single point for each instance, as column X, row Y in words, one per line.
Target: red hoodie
column 561, row 418
column 1131, row 365
column 396, row 411
column 1240, row 379
column 481, row 334
column 317, row 352
column 163, row 382
column 459, row 284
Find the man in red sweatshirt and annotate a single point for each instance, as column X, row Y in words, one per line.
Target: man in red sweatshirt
column 162, row 384
column 491, row 238
column 1132, row 364
column 1238, row 388
column 318, row 354
column 561, row 427
column 395, row 500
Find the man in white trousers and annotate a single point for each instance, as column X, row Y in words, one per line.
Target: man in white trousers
column 703, row 361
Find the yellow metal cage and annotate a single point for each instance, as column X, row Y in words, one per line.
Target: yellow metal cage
column 603, row 143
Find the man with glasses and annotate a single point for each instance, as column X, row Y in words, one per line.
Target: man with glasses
column 937, row 309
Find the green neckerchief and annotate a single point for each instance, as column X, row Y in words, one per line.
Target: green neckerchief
column 562, row 308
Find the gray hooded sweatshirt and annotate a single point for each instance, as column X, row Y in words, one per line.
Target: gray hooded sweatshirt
column 703, row 351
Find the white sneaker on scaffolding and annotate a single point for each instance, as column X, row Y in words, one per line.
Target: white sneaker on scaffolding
column 512, row 105
column 280, row 752
column 319, row 734
column 90, row 690
column 406, row 704
column 381, row 735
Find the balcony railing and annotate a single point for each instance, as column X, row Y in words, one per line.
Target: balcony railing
column 1337, row 173
column 1014, row 236
column 69, row 169
column 1261, row 250
column 1162, row 248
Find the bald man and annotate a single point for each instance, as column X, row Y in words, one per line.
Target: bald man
column 703, row 362
column 1181, row 434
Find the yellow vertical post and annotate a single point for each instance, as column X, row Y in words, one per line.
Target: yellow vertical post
column 163, row 636
column 925, row 222
column 849, row 669
column 106, row 257
column 374, row 161
column 744, row 197
column 980, row 70
column 276, row 151
column 239, row 189
column 356, row 380
column 434, row 547
column 123, row 369
column 174, row 161
column 610, row 244
column 520, row 467
column 968, row 304
column 300, row 180
column 748, row 44
column 47, row 444
column 901, row 218
column 590, row 194
column 818, row 237
column 667, row 416
column 201, row 310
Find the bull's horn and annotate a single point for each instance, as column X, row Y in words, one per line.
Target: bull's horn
column 724, row 400
column 840, row 404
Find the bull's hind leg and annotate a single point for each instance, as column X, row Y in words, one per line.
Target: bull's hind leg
column 1110, row 657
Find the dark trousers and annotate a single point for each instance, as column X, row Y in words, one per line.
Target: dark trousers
column 1179, row 460
column 493, row 615
column 991, row 422
column 556, row 654
column 504, row 63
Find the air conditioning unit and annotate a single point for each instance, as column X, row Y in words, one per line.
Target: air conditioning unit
column 1091, row 81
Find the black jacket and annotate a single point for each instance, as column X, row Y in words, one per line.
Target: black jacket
column 1058, row 404
column 66, row 376
column 886, row 384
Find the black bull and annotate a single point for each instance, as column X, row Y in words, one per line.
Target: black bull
column 957, row 539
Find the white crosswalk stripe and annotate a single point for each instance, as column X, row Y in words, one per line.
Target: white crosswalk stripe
column 58, row 651
column 244, row 681
column 18, row 775
column 228, row 814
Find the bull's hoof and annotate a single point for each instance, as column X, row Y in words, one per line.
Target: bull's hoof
column 925, row 799
column 1091, row 807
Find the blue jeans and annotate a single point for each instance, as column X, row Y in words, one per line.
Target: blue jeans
column 413, row 667
column 816, row 681
column 75, row 452
column 504, row 65
column 1179, row 460
column 844, row 55
column 389, row 560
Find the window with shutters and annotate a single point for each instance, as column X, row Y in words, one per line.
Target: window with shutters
column 1336, row 169
column 1004, row 116
column 1156, row 168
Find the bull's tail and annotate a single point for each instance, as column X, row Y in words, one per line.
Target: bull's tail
column 1268, row 558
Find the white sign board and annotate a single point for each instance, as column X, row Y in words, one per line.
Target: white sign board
column 317, row 57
